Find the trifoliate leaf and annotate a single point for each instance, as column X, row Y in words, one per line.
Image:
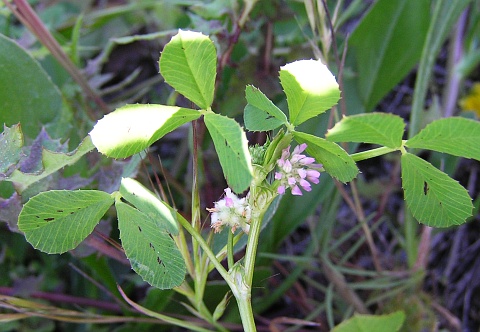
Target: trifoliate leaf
column 58, row 220
column 376, row 128
column 133, row 128
column 232, row 149
column 144, row 200
column 456, row 136
column 432, row 196
column 261, row 114
column 151, row 250
column 310, row 87
column 334, row 159
column 189, row 64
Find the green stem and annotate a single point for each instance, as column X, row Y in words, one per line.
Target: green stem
column 230, row 250
column 244, row 282
column 224, row 251
column 372, row 153
column 199, row 279
column 237, row 282
column 252, row 244
column 411, row 238
column 186, row 291
column 183, row 246
column 246, row 313
column 237, row 291
column 203, row 244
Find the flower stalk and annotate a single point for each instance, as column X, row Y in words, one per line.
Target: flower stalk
column 294, row 171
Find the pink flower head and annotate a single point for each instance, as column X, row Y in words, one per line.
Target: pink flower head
column 296, row 170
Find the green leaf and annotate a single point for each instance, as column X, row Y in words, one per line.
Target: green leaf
column 56, row 221
column 432, row 196
column 310, row 87
column 387, row 44
column 260, row 113
column 232, row 148
column 27, row 94
column 11, row 142
column 52, row 162
column 145, row 201
column 334, row 159
column 221, row 306
column 149, row 248
column 370, row 323
column 189, row 64
column 444, row 15
column 133, row 128
column 456, row 136
column 376, row 128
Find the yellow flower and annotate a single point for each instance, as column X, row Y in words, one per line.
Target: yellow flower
column 471, row 102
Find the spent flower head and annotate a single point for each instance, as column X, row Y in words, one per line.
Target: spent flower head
column 231, row 211
column 296, row 170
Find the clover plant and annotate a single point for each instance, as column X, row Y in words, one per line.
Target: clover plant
column 153, row 233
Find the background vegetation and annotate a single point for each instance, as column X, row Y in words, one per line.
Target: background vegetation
column 339, row 249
